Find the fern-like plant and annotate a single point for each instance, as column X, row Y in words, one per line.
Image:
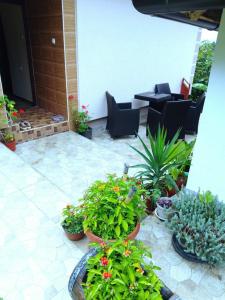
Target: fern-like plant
column 199, row 225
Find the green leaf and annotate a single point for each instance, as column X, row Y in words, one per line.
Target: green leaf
column 117, row 230
column 125, row 225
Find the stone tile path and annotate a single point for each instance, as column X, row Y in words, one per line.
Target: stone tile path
column 42, row 177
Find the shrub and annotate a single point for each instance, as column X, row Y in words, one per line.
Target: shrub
column 112, row 208
column 72, row 219
column 159, row 158
column 119, row 271
column 199, row 225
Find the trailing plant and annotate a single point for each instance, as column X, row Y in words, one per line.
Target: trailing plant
column 80, row 119
column 72, row 219
column 160, row 157
column 119, row 271
column 199, row 225
column 113, row 208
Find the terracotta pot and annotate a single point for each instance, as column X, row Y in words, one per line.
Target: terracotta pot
column 150, row 206
column 11, row 145
column 74, row 236
column 94, row 238
column 181, row 181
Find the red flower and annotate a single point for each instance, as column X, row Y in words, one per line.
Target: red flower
column 14, row 114
column 104, row 261
column 21, row 111
column 106, row 275
column 83, row 107
column 86, row 112
column 71, row 97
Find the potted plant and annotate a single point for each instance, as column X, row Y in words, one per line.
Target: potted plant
column 72, row 223
column 163, row 208
column 198, row 227
column 117, row 270
column 159, row 158
column 80, row 122
column 8, row 139
column 113, row 209
column 151, row 196
column 8, row 113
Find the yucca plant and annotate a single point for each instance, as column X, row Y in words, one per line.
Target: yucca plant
column 160, row 156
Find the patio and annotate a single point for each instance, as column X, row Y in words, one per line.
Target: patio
column 45, row 175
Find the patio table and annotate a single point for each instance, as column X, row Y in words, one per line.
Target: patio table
column 151, row 97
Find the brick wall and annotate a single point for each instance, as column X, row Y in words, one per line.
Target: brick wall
column 45, row 21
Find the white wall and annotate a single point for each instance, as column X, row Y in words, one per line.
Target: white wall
column 12, row 21
column 208, row 167
column 125, row 52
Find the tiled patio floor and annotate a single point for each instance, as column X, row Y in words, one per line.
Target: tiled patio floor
column 42, row 177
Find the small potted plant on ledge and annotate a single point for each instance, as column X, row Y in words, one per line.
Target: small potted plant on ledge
column 113, row 209
column 198, row 226
column 163, row 208
column 73, row 223
column 80, row 122
column 118, row 270
column 8, row 139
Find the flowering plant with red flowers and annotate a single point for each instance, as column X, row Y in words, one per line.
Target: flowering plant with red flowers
column 80, row 119
column 120, row 270
column 8, row 113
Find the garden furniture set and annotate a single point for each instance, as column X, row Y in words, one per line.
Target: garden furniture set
column 166, row 109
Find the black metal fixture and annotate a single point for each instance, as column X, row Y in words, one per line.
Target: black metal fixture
column 201, row 13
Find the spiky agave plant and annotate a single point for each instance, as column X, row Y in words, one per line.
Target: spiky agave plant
column 159, row 156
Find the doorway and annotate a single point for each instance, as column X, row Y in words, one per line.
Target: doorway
column 15, row 62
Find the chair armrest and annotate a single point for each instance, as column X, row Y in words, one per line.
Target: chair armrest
column 124, row 105
column 127, row 113
column 177, row 96
column 154, row 111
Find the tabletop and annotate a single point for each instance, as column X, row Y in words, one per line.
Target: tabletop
column 151, row 96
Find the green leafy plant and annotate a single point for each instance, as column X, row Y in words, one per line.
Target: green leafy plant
column 72, row 219
column 80, row 119
column 113, row 208
column 119, row 271
column 7, row 136
column 199, row 225
column 160, row 157
column 203, row 68
column 9, row 105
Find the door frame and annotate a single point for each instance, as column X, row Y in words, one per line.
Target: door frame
column 22, row 3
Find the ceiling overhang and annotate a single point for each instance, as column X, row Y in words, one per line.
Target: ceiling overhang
column 201, row 13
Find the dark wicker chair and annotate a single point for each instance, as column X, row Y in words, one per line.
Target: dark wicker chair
column 164, row 88
column 122, row 119
column 193, row 115
column 171, row 118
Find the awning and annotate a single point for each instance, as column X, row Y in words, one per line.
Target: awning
column 206, row 14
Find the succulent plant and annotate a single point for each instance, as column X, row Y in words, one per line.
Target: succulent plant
column 165, row 202
column 199, row 225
